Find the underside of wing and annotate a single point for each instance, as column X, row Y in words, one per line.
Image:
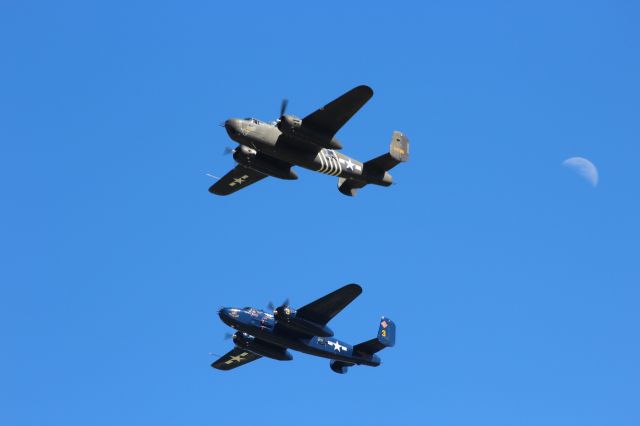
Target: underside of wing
column 235, row 180
column 322, row 310
column 330, row 118
column 234, row 358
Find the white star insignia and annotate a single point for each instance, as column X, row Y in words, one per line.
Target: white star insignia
column 350, row 165
column 336, row 345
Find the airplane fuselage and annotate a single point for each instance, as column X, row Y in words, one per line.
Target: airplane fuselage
column 268, row 140
column 263, row 326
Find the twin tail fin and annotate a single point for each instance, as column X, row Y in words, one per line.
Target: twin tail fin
column 386, row 338
column 398, row 153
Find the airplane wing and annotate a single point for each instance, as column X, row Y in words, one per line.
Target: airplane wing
column 235, row 180
column 331, row 117
column 234, row 358
column 322, row 310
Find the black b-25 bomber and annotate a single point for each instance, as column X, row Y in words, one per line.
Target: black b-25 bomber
column 263, row 334
column 271, row 149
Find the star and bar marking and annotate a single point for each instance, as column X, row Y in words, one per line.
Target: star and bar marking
column 239, row 181
column 237, row 358
column 336, row 346
column 350, row 165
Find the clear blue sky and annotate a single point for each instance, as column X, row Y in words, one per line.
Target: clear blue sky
column 514, row 283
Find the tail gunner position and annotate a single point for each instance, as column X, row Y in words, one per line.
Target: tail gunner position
column 271, row 149
column 263, row 334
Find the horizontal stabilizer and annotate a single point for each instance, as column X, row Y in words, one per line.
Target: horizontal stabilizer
column 369, row 347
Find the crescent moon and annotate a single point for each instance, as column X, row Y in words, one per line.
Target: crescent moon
column 584, row 168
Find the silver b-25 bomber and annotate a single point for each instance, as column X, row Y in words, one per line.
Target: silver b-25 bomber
column 271, row 149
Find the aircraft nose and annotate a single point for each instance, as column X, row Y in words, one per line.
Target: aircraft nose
column 228, row 316
column 233, row 126
column 223, row 313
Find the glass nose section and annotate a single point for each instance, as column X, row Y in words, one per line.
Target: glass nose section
column 232, row 126
column 224, row 313
column 229, row 314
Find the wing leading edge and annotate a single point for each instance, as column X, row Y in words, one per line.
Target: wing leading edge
column 331, row 117
column 322, row 310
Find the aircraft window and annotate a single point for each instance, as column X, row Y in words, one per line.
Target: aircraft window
column 255, row 121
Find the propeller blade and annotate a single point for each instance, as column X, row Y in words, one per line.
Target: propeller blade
column 286, row 302
column 228, row 150
column 227, row 336
column 283, row 106
column 270, row 306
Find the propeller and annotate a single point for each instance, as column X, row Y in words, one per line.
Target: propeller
column 228, row 150
column 227, row 336
column 284, row 304
column 283, row 106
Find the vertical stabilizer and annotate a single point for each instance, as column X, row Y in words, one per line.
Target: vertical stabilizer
column 387, row 332
column 399, row 148
column 386, row 338
column 398, row 153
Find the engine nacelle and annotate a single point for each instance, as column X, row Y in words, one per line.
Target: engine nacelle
column 289, row 124
column 284, row 313
column 244, row 153
column 292, row 126
column 254, row 160
column 287, row 316
column 258, row 347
